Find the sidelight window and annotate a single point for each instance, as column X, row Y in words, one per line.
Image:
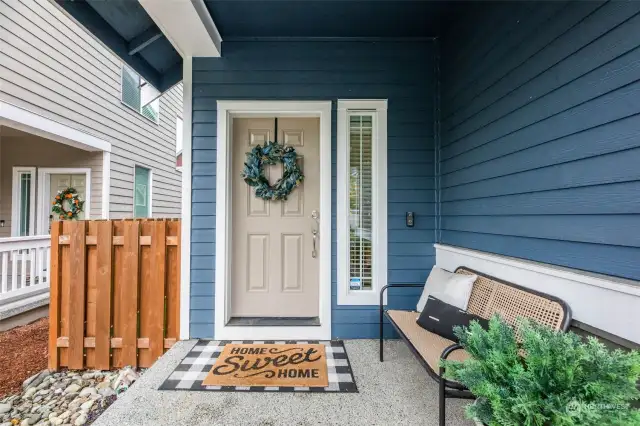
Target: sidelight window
column 362, row 233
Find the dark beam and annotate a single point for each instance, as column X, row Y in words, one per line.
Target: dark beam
column 87, row 17
column 144, row 39
column 171, row 77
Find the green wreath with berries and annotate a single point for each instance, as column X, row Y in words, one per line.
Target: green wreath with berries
column 75, row 204
column 272, row 153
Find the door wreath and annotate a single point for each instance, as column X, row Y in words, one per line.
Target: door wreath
column 272, row 153
column 76, row 204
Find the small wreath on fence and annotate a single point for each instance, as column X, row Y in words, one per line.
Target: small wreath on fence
column 71, row 196
column 272, row 153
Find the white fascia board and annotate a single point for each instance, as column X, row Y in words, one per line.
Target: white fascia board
column 187, row 25
column 604, row 302
column 30, row 122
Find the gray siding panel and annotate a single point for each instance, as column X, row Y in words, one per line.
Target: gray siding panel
column 540, row 151
column 400, row 72
column 51, row 66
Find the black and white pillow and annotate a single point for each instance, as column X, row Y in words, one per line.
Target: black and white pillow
column 440, row 318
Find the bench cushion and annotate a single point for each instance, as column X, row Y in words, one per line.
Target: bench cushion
column 428, row 344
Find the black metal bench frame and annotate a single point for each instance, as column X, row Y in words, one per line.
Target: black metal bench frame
column 446, row 387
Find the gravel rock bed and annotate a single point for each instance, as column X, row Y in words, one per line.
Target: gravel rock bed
column 64, row 398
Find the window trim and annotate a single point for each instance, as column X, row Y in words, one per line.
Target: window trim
column 157, row 122
column 133, row 195
column 15, row 202
column 378, row 107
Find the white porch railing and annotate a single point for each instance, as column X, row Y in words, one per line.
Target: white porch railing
column 24, row 266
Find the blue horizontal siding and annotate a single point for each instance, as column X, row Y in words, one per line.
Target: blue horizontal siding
column 402, row 72
column 517, row 157
column 605, row 259
column 621, row 166
column 491, row 46
column 541, row 140
column 607, row 229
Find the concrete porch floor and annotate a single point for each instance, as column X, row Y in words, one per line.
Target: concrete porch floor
column 396, row 392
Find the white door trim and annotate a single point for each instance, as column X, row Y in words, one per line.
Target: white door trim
column 185, row 230
column 15, row 203
column 106, row 183
column 227, row 110
column 43, row 189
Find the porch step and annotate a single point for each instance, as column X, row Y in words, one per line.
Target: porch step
column 274, row 321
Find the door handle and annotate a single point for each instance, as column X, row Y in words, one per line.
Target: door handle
column 315, row 216
column 315, row 237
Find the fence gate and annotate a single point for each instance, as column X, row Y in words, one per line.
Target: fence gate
column 115, row 292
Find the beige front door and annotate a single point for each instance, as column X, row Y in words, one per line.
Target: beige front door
column 62, row 181
column 274, row 271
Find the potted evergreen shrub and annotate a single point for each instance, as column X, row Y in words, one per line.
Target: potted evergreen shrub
column 545, row 377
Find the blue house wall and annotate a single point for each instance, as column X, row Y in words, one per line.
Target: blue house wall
column 402, row 72
column 540, row 147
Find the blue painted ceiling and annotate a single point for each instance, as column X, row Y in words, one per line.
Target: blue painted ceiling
column 125, row 27
column 328, row 18
column 127, row 17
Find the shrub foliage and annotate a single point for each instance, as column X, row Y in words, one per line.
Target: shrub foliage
column 545, row 377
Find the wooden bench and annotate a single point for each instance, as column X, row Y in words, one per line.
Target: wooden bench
column 489, row 296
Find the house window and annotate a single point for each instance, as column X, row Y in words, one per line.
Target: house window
column 134, row 93
column 362, row 203
column 23, row 203
column 142, row 192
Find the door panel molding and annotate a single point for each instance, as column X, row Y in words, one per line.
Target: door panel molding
column 294, row 204
column 257, row 259
column 293, row 137
column 226, row 112
column 292, row 262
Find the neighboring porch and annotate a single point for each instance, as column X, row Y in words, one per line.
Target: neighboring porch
column 24, row 279
column 38, row 157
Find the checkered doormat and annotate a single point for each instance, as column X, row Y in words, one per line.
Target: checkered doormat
column 192, row 370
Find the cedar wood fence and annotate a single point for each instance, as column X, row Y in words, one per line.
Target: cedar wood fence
column 115, row 293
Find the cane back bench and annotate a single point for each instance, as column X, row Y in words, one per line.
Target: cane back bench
column 488, row 296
